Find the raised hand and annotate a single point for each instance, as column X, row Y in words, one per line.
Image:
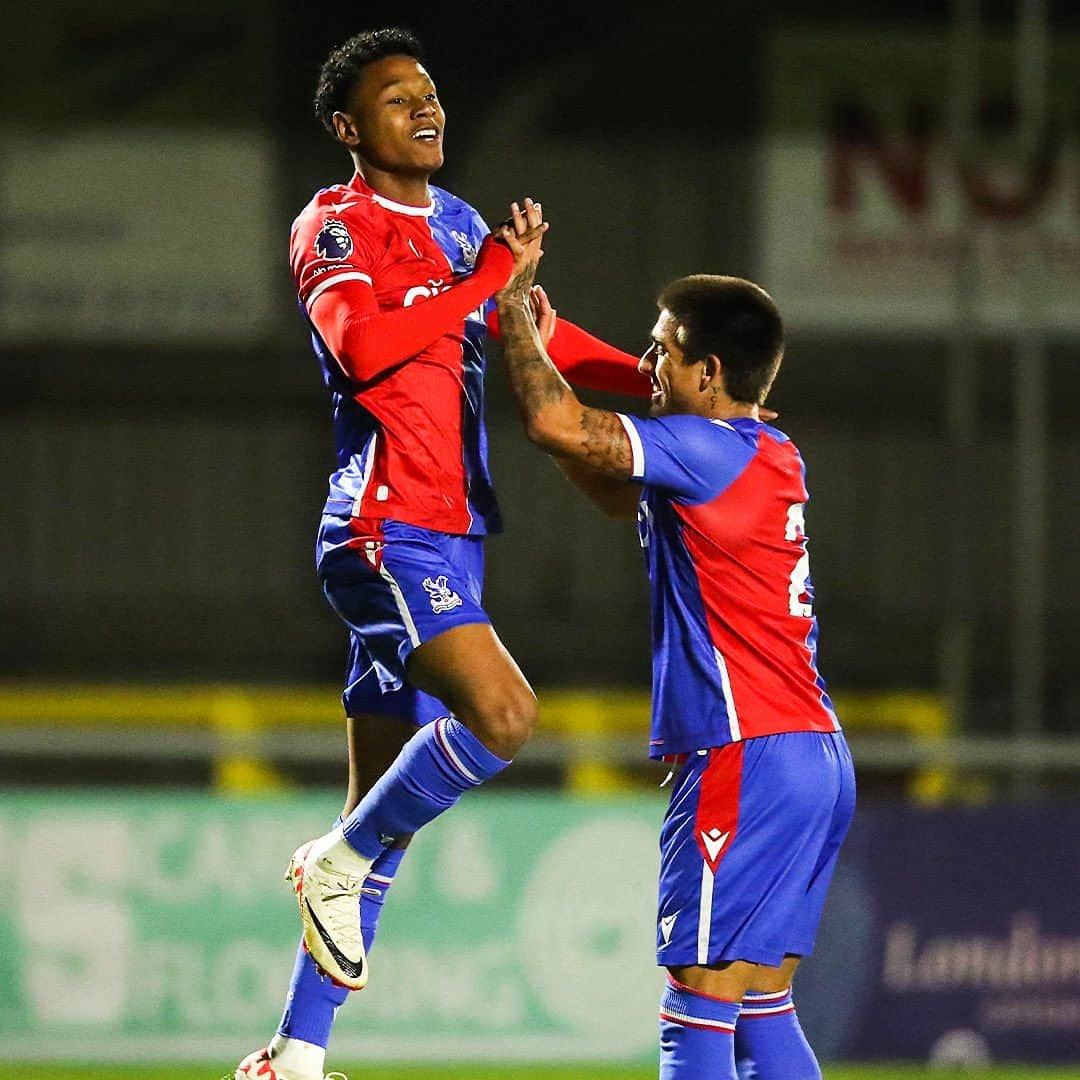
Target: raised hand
column 522, row 232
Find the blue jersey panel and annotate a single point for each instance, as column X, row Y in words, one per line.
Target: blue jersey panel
column 459, row 231
column 690, row 709
column 693, row 458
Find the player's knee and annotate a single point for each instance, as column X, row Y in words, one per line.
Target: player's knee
column 506, row 721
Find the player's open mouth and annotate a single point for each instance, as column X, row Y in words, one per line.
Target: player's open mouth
column 426, row 134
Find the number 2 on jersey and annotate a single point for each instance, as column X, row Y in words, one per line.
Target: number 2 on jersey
column 796, row 532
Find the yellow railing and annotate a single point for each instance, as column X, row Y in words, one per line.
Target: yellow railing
column 236, row 714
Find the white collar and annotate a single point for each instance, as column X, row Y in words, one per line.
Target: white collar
column 405, row 208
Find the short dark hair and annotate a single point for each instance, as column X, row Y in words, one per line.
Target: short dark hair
column 733, row 319
column 342, row 68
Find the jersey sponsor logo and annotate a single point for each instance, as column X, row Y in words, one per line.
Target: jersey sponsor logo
column 425, row 292
column 442, row 597
column 714, row 841
column 468, row 251
column 333, row 241
column 667, row 924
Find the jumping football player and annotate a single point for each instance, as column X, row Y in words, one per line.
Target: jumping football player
column 393, row 276
column 763, row 787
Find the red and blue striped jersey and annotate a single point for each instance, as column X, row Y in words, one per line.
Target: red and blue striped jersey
column 734, row 635
column 411, row 443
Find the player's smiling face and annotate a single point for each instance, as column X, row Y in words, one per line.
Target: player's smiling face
column 398, row 120
column 676, row 385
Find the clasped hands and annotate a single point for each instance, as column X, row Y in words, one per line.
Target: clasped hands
column 522, row 233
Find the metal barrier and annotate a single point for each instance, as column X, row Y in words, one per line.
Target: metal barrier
column 596, row 736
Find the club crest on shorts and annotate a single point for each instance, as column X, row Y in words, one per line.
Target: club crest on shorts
column 468, row 252
column 333, row 240
column 442, row 597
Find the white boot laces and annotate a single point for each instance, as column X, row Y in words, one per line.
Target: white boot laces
column 344, row 918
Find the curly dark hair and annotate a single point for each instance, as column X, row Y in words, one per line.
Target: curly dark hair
column 343, row 66
column 733, row 319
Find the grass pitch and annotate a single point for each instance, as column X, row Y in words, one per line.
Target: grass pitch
column 520, row 1072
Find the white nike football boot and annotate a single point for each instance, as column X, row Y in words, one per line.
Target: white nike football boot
column 265, row 1065
column 328, row 877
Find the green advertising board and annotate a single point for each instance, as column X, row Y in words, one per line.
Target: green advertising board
column 139, row 927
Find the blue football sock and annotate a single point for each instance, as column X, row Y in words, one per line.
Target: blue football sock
column 312, row 1003
column 696, row 1035
column 376, row 886
column 435, row 767
column 769, row 1041
column 313, row 998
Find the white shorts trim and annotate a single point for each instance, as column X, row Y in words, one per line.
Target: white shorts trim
column 403, row 608
column 704, row 927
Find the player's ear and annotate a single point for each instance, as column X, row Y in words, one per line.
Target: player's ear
column 711, row 371
column 345, row 128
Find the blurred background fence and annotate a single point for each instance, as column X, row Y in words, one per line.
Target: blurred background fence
column 904, row 180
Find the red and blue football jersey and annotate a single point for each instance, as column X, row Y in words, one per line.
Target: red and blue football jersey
column 411, row 443
column 734, row 633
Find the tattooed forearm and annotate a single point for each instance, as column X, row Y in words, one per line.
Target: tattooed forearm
column 606, row 446
column 517, row 288
column 554, row 418
column 533, row 378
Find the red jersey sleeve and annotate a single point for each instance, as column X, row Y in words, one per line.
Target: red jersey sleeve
column 587, row 361
column 334, row 274
column 328, row 247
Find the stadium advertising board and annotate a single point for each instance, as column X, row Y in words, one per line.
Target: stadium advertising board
column 863, row 199
column 519, row 928
column 974, row 949
column 130, row 237
column 160, row 928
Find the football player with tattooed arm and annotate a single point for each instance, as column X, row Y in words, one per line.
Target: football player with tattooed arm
column 394, row 279
column 763, row 785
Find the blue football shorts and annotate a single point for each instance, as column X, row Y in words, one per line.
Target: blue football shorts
column 396, row 586
column 748, row 847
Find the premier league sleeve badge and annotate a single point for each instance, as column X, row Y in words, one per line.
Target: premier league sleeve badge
column 333, row 241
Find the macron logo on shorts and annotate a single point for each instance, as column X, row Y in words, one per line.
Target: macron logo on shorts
column 667, row 924
column 442, row 597
column 714, row 841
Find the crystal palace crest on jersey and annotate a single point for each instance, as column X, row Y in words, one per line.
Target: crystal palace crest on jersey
column 468, row 252
column 333, row 241
column 443, row 598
